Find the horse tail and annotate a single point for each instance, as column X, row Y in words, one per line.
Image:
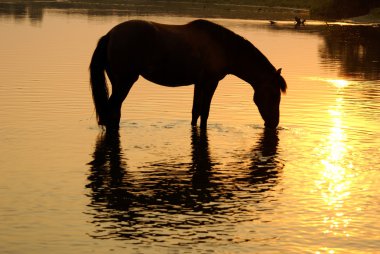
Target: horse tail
column 98, row 79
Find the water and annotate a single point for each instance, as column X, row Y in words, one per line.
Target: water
column 159, row 185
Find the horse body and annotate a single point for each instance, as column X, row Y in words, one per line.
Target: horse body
column 170, row 55
column 200, row 53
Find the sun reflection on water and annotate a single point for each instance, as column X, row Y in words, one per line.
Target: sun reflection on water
column 339, row 83
column 335, row 179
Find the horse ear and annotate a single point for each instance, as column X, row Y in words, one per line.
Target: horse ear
column 279, row 71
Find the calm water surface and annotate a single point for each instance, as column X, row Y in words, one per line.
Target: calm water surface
column 159, row 185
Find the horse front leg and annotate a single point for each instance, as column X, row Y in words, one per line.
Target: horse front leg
column 196, row 112
column 205, row 102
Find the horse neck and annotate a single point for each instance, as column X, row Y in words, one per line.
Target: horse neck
column 249, row 64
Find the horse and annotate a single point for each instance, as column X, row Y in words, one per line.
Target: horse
column 199, row 53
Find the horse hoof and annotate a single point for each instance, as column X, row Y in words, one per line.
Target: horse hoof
column 203, row 126
column 112, row 127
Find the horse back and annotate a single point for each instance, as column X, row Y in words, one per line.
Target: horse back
column 168, row 54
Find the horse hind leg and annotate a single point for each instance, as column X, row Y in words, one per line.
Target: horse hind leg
column 120, row 90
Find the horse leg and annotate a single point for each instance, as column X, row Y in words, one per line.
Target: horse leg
column 206, row 97
column 120, row 90
column 196, row 105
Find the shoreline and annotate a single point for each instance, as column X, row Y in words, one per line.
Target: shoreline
column 372, row 18
column 242, row 10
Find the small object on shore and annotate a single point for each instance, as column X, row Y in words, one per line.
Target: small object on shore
column 299, row 21
column 272, row 22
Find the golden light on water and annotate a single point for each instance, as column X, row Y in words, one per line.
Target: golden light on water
column 335, row 180
column 339, row 83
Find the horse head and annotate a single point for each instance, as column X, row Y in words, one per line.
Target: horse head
column 267, row 98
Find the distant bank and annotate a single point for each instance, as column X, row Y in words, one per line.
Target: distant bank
column 362, row 10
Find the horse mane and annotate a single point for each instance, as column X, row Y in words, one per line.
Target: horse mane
column 237, row 44
column 231, row 39
column 283, row 85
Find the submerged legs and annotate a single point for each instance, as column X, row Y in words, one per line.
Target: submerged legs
column 202, row 101
column 203, row 94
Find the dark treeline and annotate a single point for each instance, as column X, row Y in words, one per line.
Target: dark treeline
column 332, row 9
column 243, row 9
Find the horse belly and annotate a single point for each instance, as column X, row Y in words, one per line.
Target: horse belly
column 172, row 72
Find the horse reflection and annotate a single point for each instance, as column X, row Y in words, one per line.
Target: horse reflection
column 171, row 194
column 265, row 164
column 202, row 165
column 107, row 172
column 189, row 188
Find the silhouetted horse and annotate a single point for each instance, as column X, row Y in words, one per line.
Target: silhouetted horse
column 200, row 53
